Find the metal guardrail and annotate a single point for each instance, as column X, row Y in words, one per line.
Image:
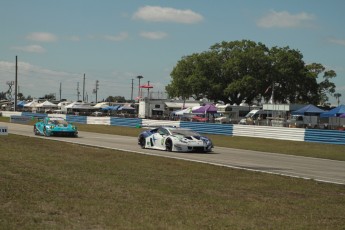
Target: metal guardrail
column 211, row 128
column 325, row 136
column 76, row 119
column 128, row 122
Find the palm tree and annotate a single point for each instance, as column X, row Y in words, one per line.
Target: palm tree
column 337, row 96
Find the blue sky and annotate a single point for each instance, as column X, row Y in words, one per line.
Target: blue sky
column 114, row 41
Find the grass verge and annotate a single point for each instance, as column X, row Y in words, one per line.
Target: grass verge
column 49, row 185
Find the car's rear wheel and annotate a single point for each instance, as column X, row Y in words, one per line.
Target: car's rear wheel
column 168, row 145
column 142, row 142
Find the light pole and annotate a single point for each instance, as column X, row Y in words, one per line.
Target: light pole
column 139, row 77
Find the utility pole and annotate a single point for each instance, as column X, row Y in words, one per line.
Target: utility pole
column 60, row 90
column 78, row 93
column 16, row 85
column 139, row 94
column 84, row 88
column 96, row 89
column 132, row 91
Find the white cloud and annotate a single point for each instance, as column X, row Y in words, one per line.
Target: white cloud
column 284, row 19
column 166, row 14
column 30, row 48
column 42, row 37
column 154, row 35
column 337, row 41
column 120, row 37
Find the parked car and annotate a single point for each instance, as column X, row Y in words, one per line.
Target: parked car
column 55, row 126
column 174, row 139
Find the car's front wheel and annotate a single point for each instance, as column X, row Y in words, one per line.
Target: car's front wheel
column 142, row 142
column 168, row 145
column 45, row 132
column 35, row 130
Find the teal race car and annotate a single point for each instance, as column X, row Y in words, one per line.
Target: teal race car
column 55, row 126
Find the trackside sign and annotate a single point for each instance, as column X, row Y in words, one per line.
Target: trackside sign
column 3, row 130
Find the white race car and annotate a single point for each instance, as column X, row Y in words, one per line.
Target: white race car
column 174, row 139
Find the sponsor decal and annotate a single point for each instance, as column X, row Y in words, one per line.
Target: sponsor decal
column 3, row 130
column 19, row 119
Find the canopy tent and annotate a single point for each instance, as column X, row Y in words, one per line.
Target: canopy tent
column 111, row 108
column 209, row 108
column 188, row 110
column 101, row 105
column 334, row 112
column 21, row 104
column 31, row 104
column 309, row 110
column 126, row 107
column 80, row 105
column 47, row 104
column 63, row 104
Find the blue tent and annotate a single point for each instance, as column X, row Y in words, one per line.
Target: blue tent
column 309, row 110
column 111, row 108
column 21, row 104
column 334, row 112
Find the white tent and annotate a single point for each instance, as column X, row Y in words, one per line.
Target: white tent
column 101, row 105
column 46, row 104
column 31, row 104
column 79, row 105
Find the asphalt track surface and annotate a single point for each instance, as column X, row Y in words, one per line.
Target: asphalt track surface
column 323, row 170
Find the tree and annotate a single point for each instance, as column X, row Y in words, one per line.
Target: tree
column 21, row 96
column 188, row 81
column 239, row 71
column 325, row 87
column 50, row 97
column 29, row 98
column 118, row 99
column 229, row 71
column 3, row 96
column 337, row 96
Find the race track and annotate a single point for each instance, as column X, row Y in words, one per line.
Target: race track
column 329, row 171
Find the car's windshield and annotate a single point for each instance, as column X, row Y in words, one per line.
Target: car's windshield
column 184, row 132
column 58, row 122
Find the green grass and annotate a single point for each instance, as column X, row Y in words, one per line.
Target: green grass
column 49, row 185
column 298, row 148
